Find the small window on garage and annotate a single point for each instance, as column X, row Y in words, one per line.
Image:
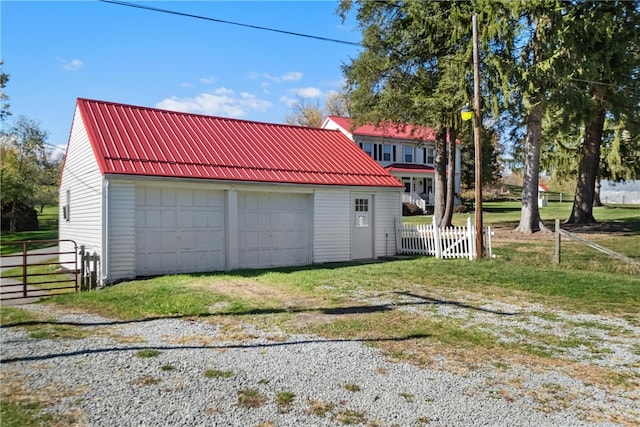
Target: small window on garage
column 362, row 218
column 362, row 205
column 66, row 208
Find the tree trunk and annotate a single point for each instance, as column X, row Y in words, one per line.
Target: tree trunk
column 582, row 212
column 530, row 215
column 13, row 221
column 596, row 194
column 440, row 175
column 451, row 176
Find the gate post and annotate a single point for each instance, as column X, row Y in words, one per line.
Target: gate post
column 82, row 280
column 94, row 272
column 436, row 237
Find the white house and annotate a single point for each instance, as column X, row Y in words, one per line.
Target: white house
column 406, row 151
column 157, row 192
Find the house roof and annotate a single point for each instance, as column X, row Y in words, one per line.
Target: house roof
column 136, row 140
column 409, row 168
column 542, row 187
column 391, row 130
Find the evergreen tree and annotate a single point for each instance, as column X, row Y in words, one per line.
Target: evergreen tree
column 604, row 38
column 412, row 70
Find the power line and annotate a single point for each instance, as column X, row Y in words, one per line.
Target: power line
column 257, row 27
column 222, row 21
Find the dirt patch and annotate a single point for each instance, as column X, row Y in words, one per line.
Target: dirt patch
column 251, row 290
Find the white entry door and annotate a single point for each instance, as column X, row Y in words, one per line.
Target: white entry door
column 362, row 226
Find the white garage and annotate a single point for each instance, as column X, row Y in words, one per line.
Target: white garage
column 157, row 192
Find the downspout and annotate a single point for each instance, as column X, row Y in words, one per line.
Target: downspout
column 105, row 232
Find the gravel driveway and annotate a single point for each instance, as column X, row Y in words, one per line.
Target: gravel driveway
column 203, row 374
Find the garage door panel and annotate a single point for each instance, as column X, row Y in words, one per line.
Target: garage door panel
column 168, row 197
column 179, row 230
column 185, row 198
column 169, row 219
column 152, row 197
column 185, row 219
column 274, row 229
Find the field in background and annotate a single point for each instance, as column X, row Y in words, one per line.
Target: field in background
column 48, row 221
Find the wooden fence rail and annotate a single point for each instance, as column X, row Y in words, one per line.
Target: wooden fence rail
column 560, row 232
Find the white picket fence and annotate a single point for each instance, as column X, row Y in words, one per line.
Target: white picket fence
column 446, row 242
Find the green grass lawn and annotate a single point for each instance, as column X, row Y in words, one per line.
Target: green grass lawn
column 48, row 221
column 508, row 214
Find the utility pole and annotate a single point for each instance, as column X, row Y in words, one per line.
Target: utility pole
column 477, row 141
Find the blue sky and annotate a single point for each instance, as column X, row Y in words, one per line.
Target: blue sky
column 56, row 52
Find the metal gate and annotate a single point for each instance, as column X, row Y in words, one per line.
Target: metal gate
column 36, row 271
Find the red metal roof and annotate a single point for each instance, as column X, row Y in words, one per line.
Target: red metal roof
column 135, row 140
column 410, row 168
column 391, row 130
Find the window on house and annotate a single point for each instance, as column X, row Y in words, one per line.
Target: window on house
column 65, row 208
column 386, row 153
column 368, row 148
column 408, row 154
column 431, row 153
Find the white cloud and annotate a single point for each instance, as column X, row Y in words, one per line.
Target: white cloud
column 223, row 91
column 292, row 76
column 272, row 78
column 265, row 88
column 207, row 80
column 288, row 101
column 222, row 102
column 307, row 92
column 249, row 100
column 185, row 84
column 73, row 65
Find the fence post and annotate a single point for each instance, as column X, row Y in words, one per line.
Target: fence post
column 470, row 235
column 556, row 257
column 24, row 269
column 82, row 281
column 94, row 272
column 436, row 237
column 398, row 235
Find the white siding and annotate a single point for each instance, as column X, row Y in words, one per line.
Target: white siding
column 387, row 209
column 81, row 177
column 332, row 226
column 120, row 261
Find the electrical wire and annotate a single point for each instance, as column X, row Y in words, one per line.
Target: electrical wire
column 239, row 24
column 257, row 27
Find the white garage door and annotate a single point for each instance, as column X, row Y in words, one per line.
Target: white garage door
column 273, row 229
column 179, row 231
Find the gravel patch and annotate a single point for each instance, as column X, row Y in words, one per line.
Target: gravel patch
column 102, row 381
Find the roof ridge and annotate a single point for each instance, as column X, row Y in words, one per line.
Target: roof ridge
column 209, row 116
